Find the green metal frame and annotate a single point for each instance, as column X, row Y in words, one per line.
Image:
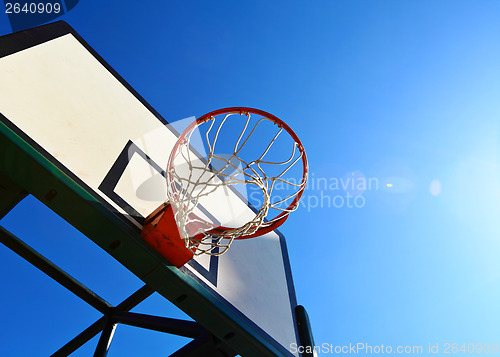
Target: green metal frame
column 204, row 343
column 34, row 174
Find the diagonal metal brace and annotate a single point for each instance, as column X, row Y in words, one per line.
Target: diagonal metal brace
column 91, row 331
column 52, row 270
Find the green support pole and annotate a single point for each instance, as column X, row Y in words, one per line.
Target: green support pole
column 10, row 195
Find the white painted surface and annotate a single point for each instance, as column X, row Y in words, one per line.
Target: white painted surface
column 65, row 100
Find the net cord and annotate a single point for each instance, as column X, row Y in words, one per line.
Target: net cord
column 184, row 198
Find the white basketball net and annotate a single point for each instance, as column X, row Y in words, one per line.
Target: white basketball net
column 199, row 179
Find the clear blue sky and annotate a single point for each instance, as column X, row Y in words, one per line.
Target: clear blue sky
column 403, row 92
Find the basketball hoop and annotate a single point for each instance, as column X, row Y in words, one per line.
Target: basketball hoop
column 179, row 229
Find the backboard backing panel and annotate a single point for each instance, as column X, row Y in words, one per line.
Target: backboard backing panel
column 63, row 100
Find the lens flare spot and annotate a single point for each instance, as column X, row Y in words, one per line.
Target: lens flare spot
column 435, row 187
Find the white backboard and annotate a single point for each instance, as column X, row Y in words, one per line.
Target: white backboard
column 61, row 98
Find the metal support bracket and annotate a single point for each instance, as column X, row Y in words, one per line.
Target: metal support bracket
column 204, row 343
